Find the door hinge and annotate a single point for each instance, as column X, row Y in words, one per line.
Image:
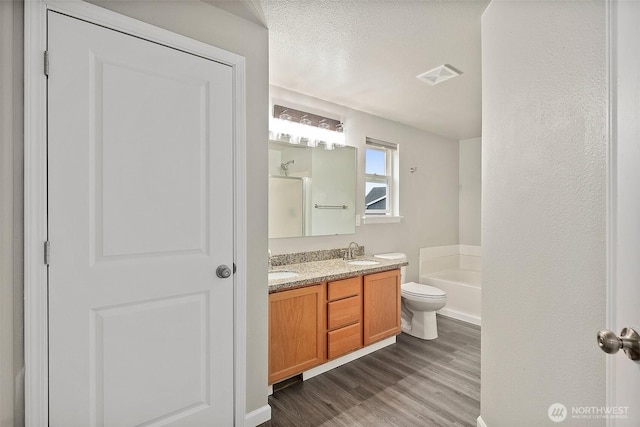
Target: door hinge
column 46, row 63
column 47, row 252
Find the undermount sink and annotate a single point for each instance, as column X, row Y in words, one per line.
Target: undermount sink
column 275, row 275
column 363, row 262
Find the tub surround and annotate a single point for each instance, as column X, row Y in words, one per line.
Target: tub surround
column 451, row 257
column 310, row 273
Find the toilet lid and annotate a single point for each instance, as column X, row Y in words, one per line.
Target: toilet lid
column 423, row 291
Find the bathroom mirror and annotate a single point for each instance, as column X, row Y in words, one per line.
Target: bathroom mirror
column 312, row 190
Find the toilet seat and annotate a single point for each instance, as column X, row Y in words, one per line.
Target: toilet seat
column 418, row 290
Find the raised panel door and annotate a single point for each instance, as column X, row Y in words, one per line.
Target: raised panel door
column 140, row 215
column 296, row 331
column 381, row 295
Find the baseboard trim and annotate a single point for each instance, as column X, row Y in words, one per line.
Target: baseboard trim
column 460, row 316
column 257, row 417
column 325, row 367
column 480, row 422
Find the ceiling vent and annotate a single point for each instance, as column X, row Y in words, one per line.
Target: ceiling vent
column 439, row 74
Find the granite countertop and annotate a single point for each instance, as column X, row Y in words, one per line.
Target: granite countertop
column 310, row 273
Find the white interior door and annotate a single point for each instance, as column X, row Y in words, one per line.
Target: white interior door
column 625, row 311
column 140, row 216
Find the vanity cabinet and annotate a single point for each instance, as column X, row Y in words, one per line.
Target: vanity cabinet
column 296, row 331
column 381, row 294
column 344, row 316
column 311, row 325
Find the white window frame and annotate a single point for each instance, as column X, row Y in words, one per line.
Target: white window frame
column 390, row 178
column 386, row 179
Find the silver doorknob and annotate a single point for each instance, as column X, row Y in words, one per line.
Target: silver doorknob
column 628, row 341
column 223, row 271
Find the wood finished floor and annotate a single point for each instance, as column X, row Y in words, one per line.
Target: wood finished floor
column 411, row 383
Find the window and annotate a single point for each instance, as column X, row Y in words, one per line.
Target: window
column 381, row 181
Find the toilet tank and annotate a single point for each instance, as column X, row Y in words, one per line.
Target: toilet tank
column 396, row 256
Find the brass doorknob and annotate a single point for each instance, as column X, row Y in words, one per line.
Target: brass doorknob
column 628, row 341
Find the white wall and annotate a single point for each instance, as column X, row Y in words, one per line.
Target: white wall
column 428, row 197
column 470, row 180
column 211, row 25
column 11, row 216
column 543, row 209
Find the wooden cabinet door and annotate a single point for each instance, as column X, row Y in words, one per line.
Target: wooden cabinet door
column 296, row 331
column 381, row 306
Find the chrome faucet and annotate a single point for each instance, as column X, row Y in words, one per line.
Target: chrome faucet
column 350, row 254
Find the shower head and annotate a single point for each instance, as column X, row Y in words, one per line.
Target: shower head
column 285, row 166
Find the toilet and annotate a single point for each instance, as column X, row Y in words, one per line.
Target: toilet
column 419, row 304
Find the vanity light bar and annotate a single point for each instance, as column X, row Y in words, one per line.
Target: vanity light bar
column 299, row 127
column 291, row 114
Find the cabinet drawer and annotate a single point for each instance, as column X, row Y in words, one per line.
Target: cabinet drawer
column 344, row 288
column 344, row 340
column 344, row 312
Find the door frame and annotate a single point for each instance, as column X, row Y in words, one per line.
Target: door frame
column 611, row 198
column 618, row 69
column 35, row 190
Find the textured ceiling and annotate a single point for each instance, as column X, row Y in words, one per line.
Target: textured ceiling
column 366, row 54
